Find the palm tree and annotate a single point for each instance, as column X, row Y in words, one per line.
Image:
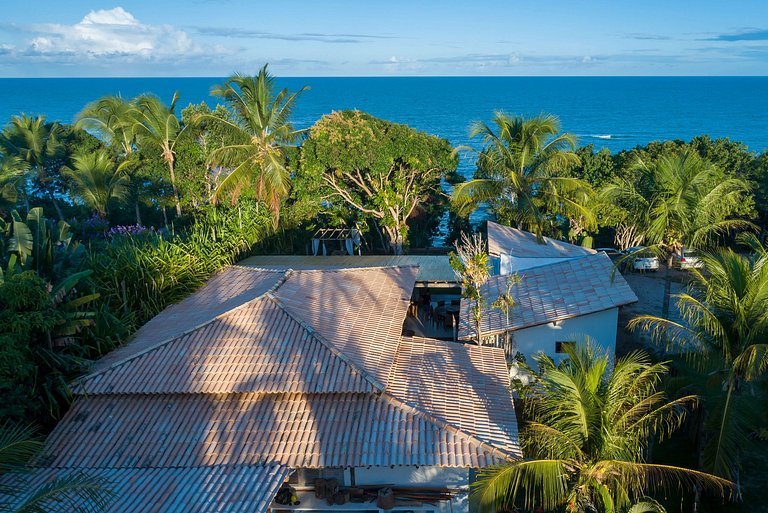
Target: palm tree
column 35, row 141
column 155, row 124
column 724, row 331
column 111, row 119
column 73, row 492
column 97, row 180
column 13, row 170
column 587, row 436
column 263, row 129
column 519, row 172
column 681, row 200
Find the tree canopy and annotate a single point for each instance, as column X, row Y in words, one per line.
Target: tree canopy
column 381, row 169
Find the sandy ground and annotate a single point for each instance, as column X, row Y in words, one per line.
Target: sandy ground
column 649, row 288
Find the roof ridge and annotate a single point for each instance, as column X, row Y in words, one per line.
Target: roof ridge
column 333, row 349
column 80, row 381
column 409, row 408
column 354, row 269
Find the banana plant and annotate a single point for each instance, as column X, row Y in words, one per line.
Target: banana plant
column 41, row 245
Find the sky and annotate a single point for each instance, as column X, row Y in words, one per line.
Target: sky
column 44, row 38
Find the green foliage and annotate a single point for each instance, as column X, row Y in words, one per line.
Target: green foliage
column 72, row 492
column 47, row 247
column 97, row 180
column 522, row 174
column 138, row 276
column 259, row 129
column 37, row 322
column 384, row 171
column 472, row 269
column 586, row 438
column 724, row 328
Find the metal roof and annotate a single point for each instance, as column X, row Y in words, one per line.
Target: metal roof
column 522, row 244
column 431, row 268
column 552, row 292
column 214, row 489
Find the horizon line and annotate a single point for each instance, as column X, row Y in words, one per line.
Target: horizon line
column 59, row 77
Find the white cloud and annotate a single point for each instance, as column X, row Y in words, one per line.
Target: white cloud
column 111, row 33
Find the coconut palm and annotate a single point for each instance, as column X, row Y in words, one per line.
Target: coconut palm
column 263, row 129
column 520, row 174
column 681, row 200
column 13, row 170
column 73, row 492
column 35, row 141
column 155, row 124
column 97, row 180
column 724, row 331
column 586, row 440
column 111, row 119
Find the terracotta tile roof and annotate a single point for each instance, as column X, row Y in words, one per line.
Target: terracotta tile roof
column 300, row 369
column 522, row 244
column 226, row 290
column 553, row 292
column 296, row 430
column 257, row 347
column 431, row 268
column 190, row 490
column 360, row 311
column 464, row 385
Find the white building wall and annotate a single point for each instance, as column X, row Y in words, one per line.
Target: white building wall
column 508, row 264
column 600, row 326
column 438, row 477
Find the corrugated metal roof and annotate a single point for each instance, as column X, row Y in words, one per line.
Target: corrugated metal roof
column 463, row 385
column 522, row 244
column 296, row 430
column 359, row 311
column 226, row 290
column 257, row 347
column 432, row 268
column 551, row 293
column 215, row 489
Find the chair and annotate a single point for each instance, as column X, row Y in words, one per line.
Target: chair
column 455, row 302
column 440, row 303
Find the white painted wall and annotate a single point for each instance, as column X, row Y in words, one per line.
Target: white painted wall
column 509, row 264
column 600, row 326
column 419, row 476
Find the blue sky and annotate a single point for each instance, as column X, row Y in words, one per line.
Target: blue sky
column 343, row 38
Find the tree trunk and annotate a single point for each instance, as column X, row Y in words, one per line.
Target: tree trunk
column 138, row 212
column 396, row 242
column 667, row 288
column 478, row 321
column 384, row 245
column 57, row 207
column 173, row 186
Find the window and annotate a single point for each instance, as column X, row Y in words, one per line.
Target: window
column 561, row 346
column 307, row 476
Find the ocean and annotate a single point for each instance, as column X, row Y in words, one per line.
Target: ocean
column 612, row 112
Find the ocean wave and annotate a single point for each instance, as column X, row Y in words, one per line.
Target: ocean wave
column 601, row 136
